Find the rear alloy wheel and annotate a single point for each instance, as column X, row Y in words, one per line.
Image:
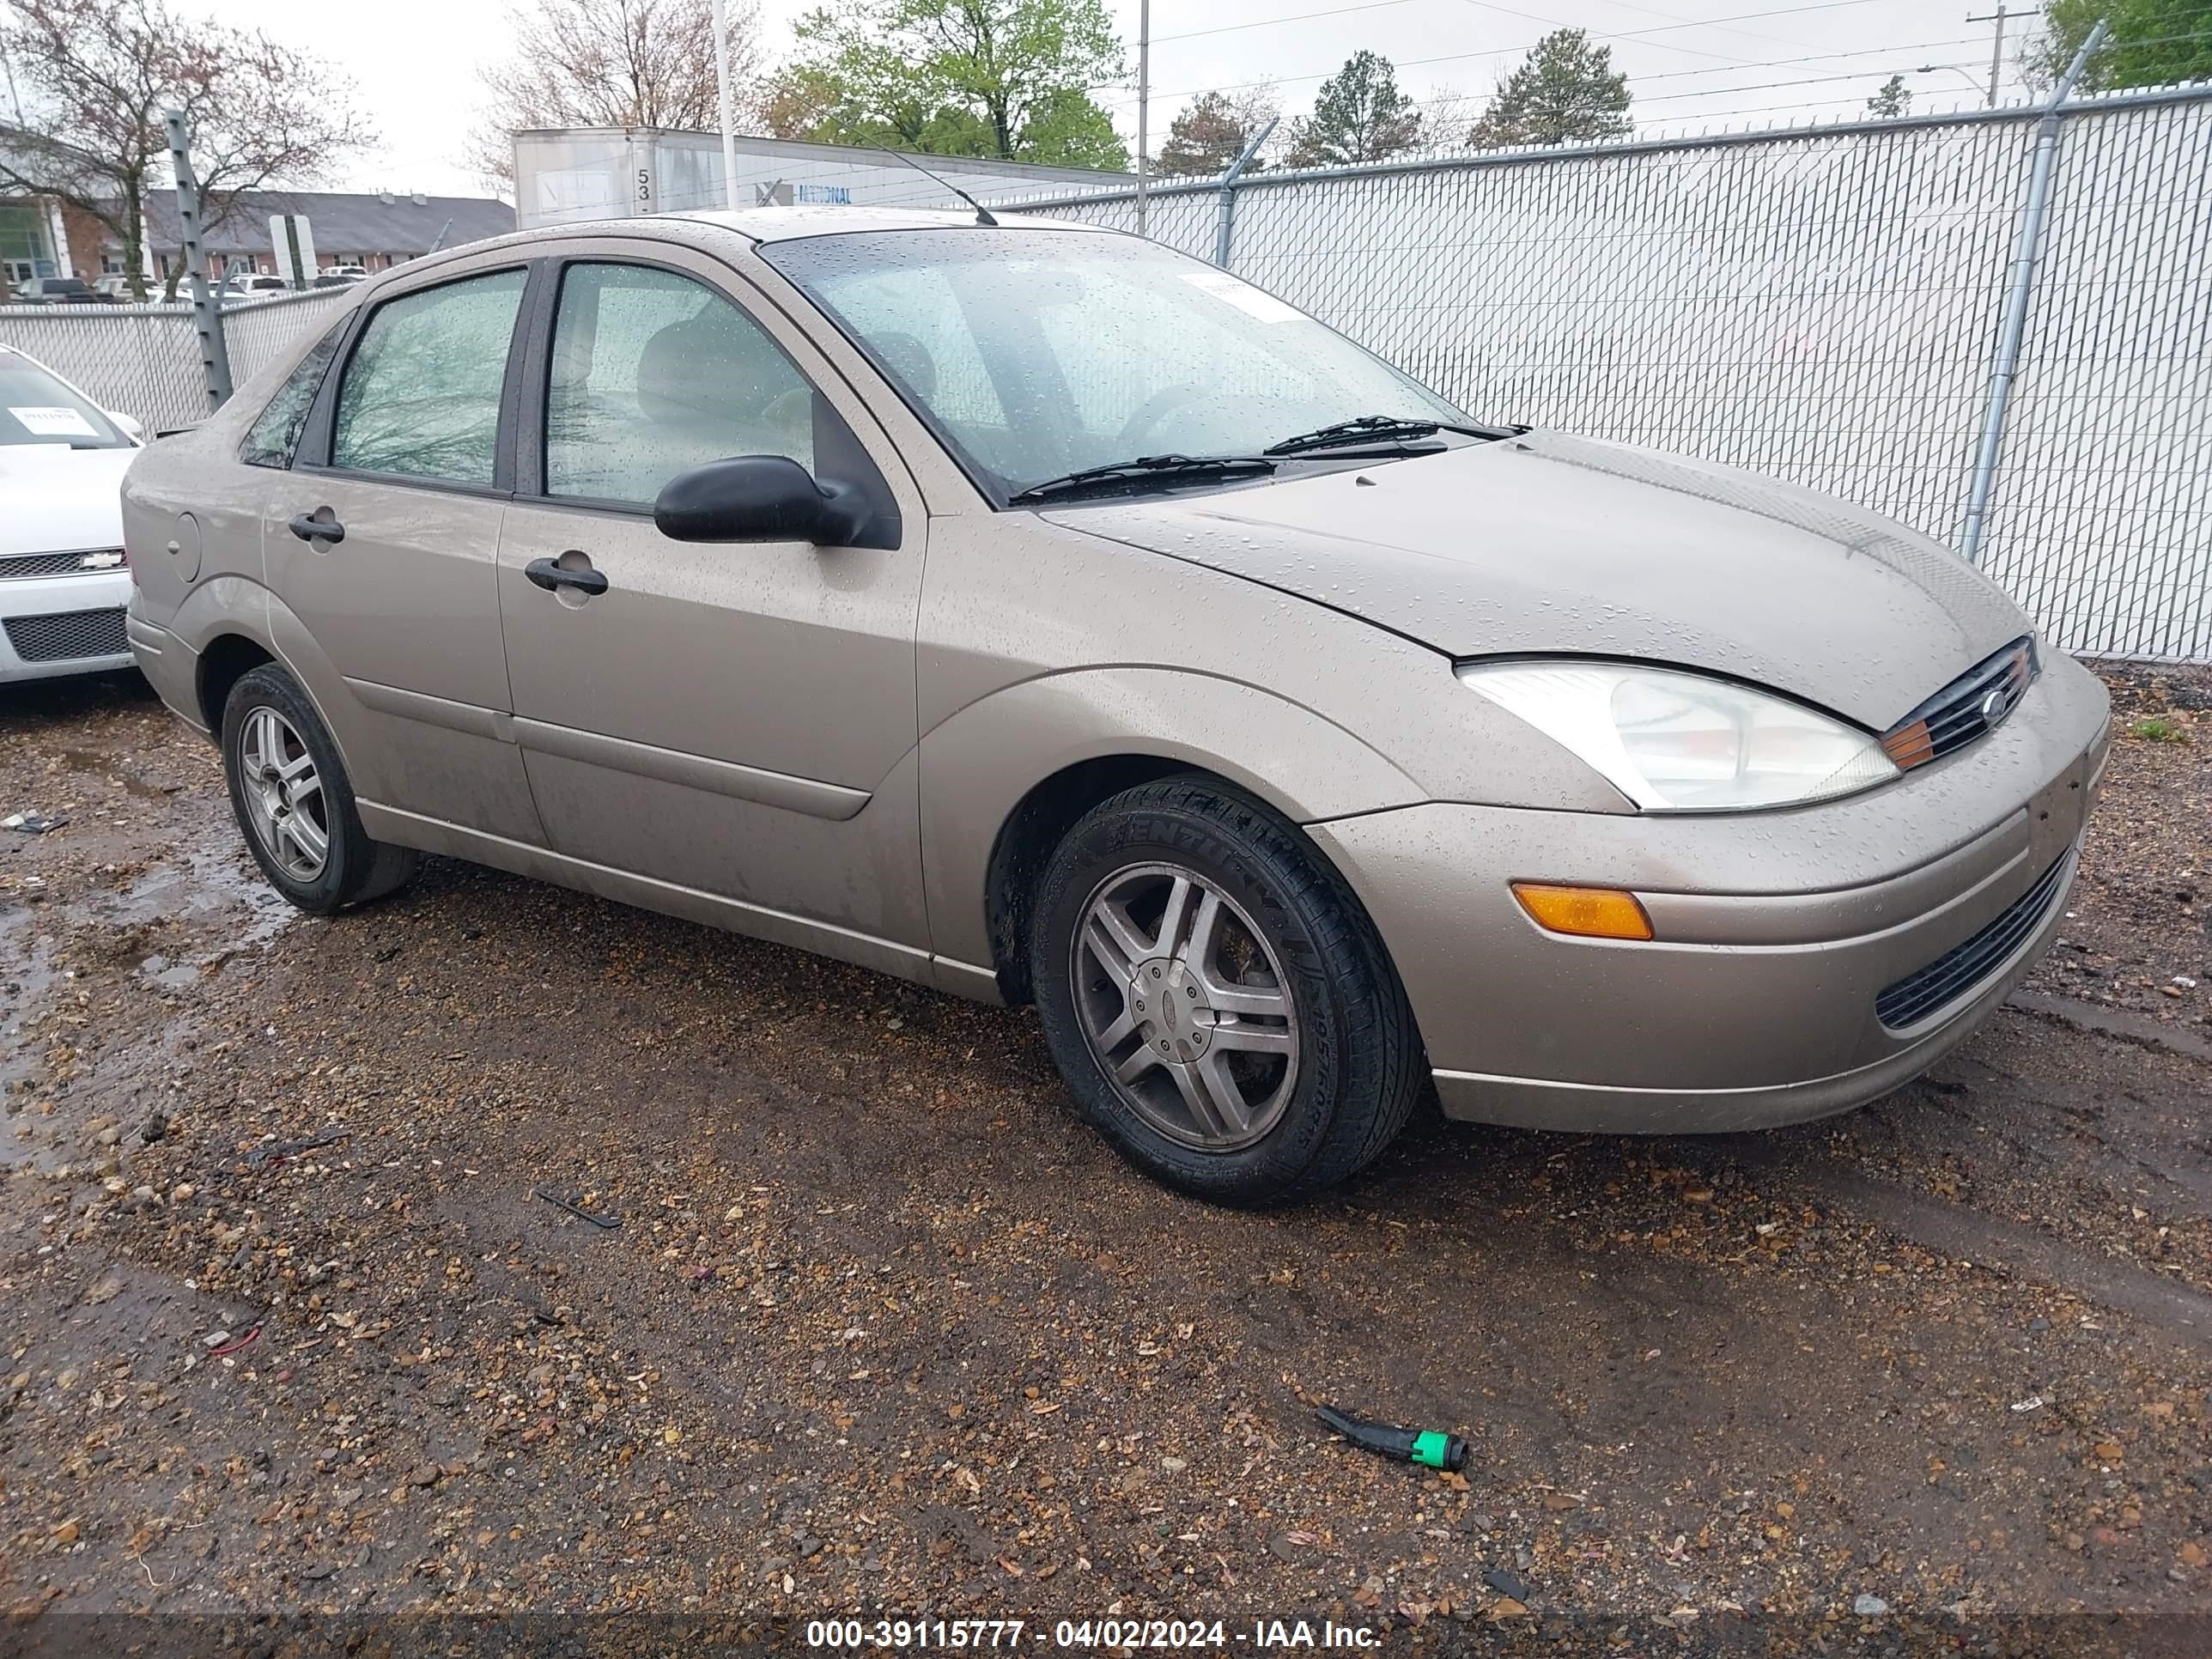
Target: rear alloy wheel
column 293, row 800
column 1217, row 999
column 283, row 793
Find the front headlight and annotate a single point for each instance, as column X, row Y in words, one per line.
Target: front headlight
column 1674, row 741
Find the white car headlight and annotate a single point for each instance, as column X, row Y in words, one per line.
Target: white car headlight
column 1674, row 741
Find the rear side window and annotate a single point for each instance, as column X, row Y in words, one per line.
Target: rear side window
column 420, row 394
column 654, row 373
column 275, row 437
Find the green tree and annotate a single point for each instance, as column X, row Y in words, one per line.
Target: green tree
column 1893, row 100
column 1211, row 131
column 1359, row 115
column 1008, row 78
column 1565, row 90
column 2152, row 43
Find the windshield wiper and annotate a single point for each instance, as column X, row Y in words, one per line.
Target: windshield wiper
column 1383, row 429
column 1146, row 468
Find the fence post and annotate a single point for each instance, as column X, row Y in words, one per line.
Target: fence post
column 1224, row 227
column 2022, row 288
column 207, row 309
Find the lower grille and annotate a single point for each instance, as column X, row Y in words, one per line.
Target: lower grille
column 1961, row 969
column 15, row 565
column 67, row 635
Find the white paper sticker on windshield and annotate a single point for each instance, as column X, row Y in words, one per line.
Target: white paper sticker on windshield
column 1246, row 298
column 54, row 421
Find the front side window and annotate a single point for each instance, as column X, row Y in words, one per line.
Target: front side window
column 35, row 408
column 654, row 373
column 1035, row 352
column 420, row 394
column 274, row 438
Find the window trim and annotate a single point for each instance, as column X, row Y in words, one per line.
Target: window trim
column 313, row 454
column 885, row 528
column 340, row 334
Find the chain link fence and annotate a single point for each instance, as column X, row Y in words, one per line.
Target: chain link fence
column 144, row 360
column 1821, row 304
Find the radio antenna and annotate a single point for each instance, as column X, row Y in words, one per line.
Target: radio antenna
column 983, row 213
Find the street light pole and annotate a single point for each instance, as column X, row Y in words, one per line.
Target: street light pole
column 722, row 89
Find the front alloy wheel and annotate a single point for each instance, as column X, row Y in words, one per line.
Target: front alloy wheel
column 1215, row 998
column 1186, row 1007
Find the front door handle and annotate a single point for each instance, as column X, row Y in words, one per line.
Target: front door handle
column 309, row 528
column 549, row 576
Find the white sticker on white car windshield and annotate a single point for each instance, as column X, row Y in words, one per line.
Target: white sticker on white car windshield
column 1246, row 298
column 54, row 421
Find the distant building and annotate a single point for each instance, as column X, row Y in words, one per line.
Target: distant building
column 565, row 174
column 41, row 237
column 374, row 231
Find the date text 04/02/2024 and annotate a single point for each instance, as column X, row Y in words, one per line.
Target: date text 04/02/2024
column 898, row 1634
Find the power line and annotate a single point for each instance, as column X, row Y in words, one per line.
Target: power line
column 1676, row 17
column 1642, row 35
column 1664, row 45
column 1269, row 22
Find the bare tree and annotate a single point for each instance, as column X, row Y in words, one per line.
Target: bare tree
column 96, row 79
column 614, row 63
column 1211, row 131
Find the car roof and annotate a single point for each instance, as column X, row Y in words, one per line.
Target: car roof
column 785, row 224
column 699, row 229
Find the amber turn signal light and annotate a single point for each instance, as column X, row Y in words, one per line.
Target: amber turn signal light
column 1588, row 912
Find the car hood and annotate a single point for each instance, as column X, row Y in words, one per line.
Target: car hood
column 1546, row 544
column 54, row 499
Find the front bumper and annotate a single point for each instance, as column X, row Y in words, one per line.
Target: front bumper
column 1776, row 933
column 45, row 621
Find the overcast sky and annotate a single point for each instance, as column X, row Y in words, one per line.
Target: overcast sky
column 415, row 61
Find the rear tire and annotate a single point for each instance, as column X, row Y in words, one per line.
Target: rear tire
column 296, row 805
column 1215, row 998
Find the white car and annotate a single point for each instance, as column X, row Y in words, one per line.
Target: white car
column 64, row 579
column 245, row 285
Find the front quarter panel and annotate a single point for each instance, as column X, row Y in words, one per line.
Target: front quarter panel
column 1043, row 646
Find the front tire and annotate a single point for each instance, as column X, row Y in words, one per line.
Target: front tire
column 1215, row 998
column 295, row 803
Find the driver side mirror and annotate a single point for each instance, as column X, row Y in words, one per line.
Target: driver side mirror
column 132, row 427
column 760, row 498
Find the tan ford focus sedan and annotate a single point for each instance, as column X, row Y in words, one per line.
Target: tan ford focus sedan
column 1028, row 610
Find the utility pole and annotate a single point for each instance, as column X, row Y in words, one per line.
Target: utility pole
column 722, row 93
column 1996, row 44
column 1143, row 100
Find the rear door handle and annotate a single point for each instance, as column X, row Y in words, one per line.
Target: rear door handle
column 549, row 576
column 309, row 528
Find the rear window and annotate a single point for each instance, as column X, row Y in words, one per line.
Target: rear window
column 35, row 408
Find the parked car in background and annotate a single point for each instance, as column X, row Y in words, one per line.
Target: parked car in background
column 342, row 273
column 115, row 288
column 1296, row 742
column 245, row 285
column 58, row 291
column 64, row 579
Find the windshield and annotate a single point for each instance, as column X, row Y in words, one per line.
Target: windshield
column 1038, row 353
column 35, row 408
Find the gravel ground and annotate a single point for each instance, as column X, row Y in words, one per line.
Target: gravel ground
column 294, row 1325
